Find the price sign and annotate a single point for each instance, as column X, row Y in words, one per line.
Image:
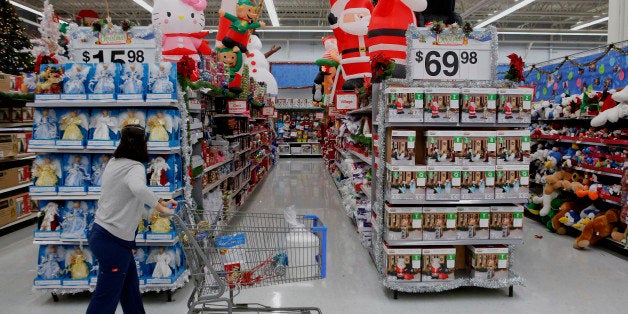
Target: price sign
column 268, row 111
column 235, row 106
column 451, row 57
column 346, row 101
column 319, row 115
column 87, row 46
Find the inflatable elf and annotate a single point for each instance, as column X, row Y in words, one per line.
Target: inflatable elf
column 242, row 23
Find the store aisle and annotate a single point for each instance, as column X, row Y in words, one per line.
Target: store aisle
column 559, row 279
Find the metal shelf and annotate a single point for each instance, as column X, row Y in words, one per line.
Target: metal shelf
column 457, row 202
column 35, row 197
column 17, row 187
column 16, row 124
column 26, row 156
column 241, row 152
column 22, row 219
column 294, row 143
column 235, row 136
column 343, row 153
column 603, row 173
column 17, row 129
column 302, row 108
column 455, row 242
column 144, row 242
column 214, row 166
column 215, row 184
column 229, row 115
column 364, row 110
column 164, row 150
column 577, row 140
column 462, row 280
column 366, row 159
column 81, row 103
column 458, row 125
column 259, row 132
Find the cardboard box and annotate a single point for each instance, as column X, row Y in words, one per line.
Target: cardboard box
column 8, row 145
column 403, row 265
column 22, row 140
column 443, row 183
column 478, row 148
column 506, row 222
column 6, row 82
column 472, row 222
column 442, row 105
column 515, row 105
column 512, row 182
column 478, row 183
column 27, row 114
column 439, row 264
column 8, row 212
column 405, row 104
column 403, row 223
column 439, row 223
column 5, row 114
column 14, row 176
column 488, row 262
column 479, row 105
column 402, row 148
column 444, row 148
column 405, row 182
column 513, row 147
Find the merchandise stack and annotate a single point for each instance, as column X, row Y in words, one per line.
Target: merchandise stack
column 299, row 127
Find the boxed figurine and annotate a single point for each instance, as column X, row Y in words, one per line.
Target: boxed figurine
column 402, row 148
column 23, row 205
column 405, row 182
column 439, row 264
column 162, row 82
column 443, row 183
column 49, row 83
column 163, row 173
column 444, row 148
column 131, row 116
column 75, row 81
column 27, row 113
column 45, row 128
column 76, row 174
column 93, row 278
column 79, row 266
column 49, row 222
column 159, row 228
column 488, row 262
column 478, row 183
column 442, row 105
column 506, row 222
column 512, row 182
column 103, row 128
column 162, row 128
column 403, row 265
column 47, row 174
column 439, row 223
column 165, row 264
column 76, row 217
column 133, row 82
column 515, row 105
column 142, row 227
column 405, row 104
column 403, row 223
column 479, row 105
column 50, row 266
column 99, row 162
column 5, row 114
column 73, row 127
column 513, row 147
column 472, row 222
column 103, row 81
column 478, row 148
column 140, row 256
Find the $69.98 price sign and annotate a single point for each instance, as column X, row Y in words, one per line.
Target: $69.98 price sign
column 463, row 62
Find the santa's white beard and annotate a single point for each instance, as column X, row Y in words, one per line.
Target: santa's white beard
column 359, row 28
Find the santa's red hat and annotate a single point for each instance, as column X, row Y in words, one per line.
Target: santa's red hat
column 337, row 6
column 328, row 38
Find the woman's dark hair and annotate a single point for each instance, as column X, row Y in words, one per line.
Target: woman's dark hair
column 132, row 144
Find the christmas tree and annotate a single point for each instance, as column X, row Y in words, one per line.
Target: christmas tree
column 15, row 55
column 49, row 28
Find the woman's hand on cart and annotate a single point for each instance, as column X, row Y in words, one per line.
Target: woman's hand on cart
column 166, row 207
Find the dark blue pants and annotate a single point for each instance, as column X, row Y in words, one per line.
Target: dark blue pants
column 117, row 275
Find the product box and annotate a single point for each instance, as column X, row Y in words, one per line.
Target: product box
column 8, row 212
column 444, row 148
column 162, row 128
column 403, row 223
column 99, row 162
column 160, row 229
column 403, row 265
column 442, row 105
column 472, row 222
column 5, row 114
column 515, row 105
column 79, row 264
column 104, row 129
column 512, row 182
column 163, row 173
column 6, row 82
column 47, row 174
column 50, row 219
column 14, row 176
column 443, row 183
column 133, row 82
column 23, row 204
column 165, row 265
column 76, row 174
column 405, row 104
column 439, row 223
column 513, row 147
column 140, row 255
column 103, row 80
column 306, row 149
column 16, row 114
column 479, row 105
column 402, row 148
column 488, row 262
column 478, row 148
column 73, row 127
column 478, row 183
column 162, row 82
column 284, row 149
column 45, row 128
column 506, row 222
column 8, row 147
column 50, row 266
column 75, row 219
column 22, row 140
column 439, row 264
column 75, row 81
column 405, row 182
column 93, row 278
column 27, row 114
column 49, row 82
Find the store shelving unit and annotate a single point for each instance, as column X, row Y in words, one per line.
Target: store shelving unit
column 289, row 142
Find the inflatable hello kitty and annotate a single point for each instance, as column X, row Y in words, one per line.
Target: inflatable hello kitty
column 181, row 23
column 259, row 69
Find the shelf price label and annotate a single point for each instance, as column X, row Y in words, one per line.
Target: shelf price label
column 235, row 106
column 346, row 101
column 268, row 111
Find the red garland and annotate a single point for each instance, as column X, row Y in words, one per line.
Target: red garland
column 187, row 68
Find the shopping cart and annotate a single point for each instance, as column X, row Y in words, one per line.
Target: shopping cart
column 227, row 252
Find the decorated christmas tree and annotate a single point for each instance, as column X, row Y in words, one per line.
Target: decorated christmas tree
column 15, row 55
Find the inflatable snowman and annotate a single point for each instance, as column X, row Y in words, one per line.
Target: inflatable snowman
column 259, row 68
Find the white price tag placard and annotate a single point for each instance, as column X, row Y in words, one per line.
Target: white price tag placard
column 268, row 111
column 236, row 106
column 451, row 57
column 346, row 101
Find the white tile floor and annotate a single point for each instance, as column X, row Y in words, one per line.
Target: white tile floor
column 559, row 279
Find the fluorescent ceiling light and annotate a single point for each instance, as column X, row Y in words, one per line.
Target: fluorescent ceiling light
column 585, row 25
column 31, row 10
column 552, row 33
column 514, row 8
column 27, row 21
column 270, row 8
column 144, row 5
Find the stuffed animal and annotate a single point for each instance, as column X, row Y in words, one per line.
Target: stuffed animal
column 566, row 216
column 586, row 216
column 621, row 237
column 600, row 227
column 553, row 183
column 615, row 113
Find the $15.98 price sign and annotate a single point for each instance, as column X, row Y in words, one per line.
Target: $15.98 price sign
column 123, row 53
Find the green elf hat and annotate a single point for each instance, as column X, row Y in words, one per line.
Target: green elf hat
column 250, row 3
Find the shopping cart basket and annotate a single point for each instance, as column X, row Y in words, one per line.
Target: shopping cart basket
column 227, row 252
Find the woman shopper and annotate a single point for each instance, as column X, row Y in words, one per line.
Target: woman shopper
column 124, row 195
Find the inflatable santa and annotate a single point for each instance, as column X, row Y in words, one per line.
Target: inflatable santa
column 349, row 20
column 387, row 30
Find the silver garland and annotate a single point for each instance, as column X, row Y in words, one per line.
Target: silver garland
column 186, row 147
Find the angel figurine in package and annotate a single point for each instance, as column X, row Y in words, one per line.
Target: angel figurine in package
column 103, row 80
column 98, row 167
column 46, row 170
column 74, row 80
column 165, row 262
column 132, row 117
column 158, row 168
column 74, row 219
column 50, row 262
column 162, row 127
column 78, row 262
column 49, row 217
column 139, row 257
column 159, row 224
column 76, row 170
column 160, row 81
column 103, row 128
column 132, row 79
column 73, row 125
column 45, row 124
